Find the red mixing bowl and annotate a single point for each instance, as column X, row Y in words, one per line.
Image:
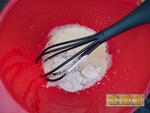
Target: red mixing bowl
column 23, row 35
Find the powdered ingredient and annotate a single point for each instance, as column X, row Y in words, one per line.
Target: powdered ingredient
column 88, row 72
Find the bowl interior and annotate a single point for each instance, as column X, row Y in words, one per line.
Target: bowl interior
column 23, row 35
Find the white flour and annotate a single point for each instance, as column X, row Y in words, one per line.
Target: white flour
column 88, row 72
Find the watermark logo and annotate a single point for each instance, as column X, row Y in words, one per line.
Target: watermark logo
column 124, row 100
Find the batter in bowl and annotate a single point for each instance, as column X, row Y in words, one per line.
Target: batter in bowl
column 88, row 72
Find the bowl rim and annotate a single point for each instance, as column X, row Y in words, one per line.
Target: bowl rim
column 6, row 9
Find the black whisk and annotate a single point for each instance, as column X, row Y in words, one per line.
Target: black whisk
column 140, row 15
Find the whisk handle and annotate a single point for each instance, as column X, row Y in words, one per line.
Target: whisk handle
column 139, row 16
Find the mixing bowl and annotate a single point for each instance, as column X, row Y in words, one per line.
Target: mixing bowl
column 23, row 35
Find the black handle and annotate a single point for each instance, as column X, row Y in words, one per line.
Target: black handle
column 140, row 15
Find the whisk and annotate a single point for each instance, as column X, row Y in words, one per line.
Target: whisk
column 140, row 15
